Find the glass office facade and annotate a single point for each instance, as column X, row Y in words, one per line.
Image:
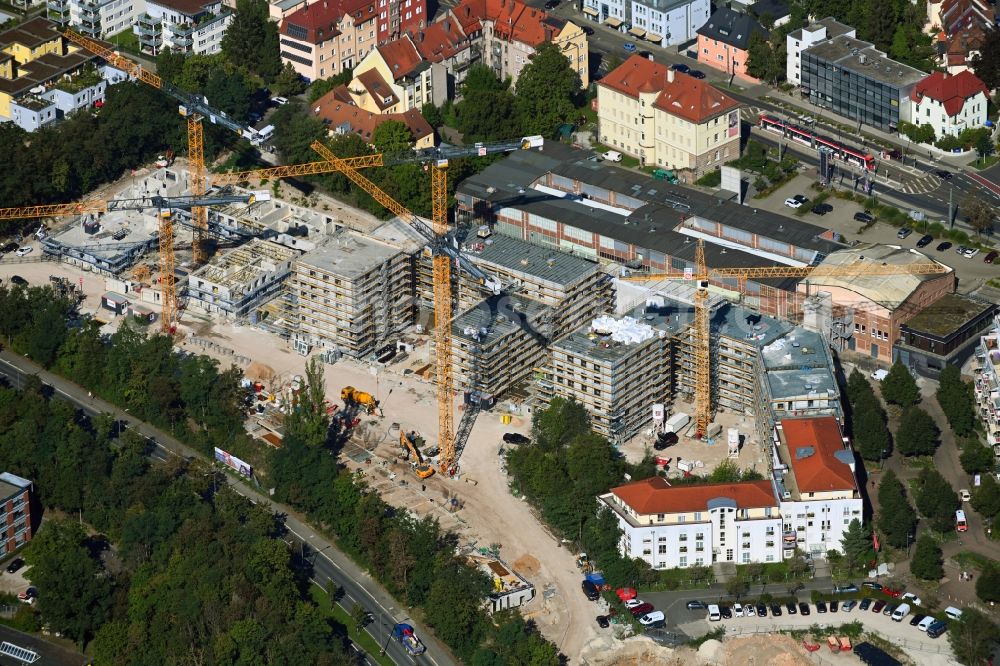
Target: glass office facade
column 851, row 94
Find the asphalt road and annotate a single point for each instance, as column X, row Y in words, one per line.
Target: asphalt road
column 328, row 562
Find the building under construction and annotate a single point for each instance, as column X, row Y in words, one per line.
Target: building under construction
column 236, row 282
column 350, row 295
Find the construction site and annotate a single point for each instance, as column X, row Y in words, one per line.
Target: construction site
column 642, row 302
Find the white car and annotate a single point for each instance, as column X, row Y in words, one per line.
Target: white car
column 912, row 598
column 970, row 252
column 650, row 618
column 23, row 251
column 632, row 603
column 792, row 202
column 280, row 101
column 751, row 611
column 926, row 622
column 612, row 156
column 965, row 495
column 737, row 610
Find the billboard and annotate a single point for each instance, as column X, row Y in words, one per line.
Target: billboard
column 237, row 465
column 734, row 124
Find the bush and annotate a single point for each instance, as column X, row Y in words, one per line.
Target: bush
column 710, row 179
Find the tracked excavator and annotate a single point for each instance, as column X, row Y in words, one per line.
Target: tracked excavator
column 411, row 442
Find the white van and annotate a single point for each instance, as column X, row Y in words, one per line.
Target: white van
column 901, row 611
column 713, row 613
column 926, row 622
column 265, row 133
column 953, row 613
column 612, row 156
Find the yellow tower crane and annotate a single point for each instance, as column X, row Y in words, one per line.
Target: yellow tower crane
column 701, row 335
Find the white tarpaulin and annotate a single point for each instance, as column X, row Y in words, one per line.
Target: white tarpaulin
column 625, row 330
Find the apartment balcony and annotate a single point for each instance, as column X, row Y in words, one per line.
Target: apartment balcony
column 148, row 25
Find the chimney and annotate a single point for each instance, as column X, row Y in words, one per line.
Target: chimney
column 670, row 76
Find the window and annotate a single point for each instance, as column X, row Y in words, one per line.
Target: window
column 700, row 536
column 683, row 537
column 683, row 549
column 697, row 516
column 647, row 551
column 683, row 562
column 662, row 550
column 746, row 558
column 660, row 517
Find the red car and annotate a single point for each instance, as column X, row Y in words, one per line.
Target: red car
column 894, row 593
column 641, row 610
column 991, row 257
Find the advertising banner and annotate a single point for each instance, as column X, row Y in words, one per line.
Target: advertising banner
column 233, row 462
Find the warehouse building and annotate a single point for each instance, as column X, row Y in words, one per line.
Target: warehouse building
column 236, row 282
column 350, row 295
column 944, row 333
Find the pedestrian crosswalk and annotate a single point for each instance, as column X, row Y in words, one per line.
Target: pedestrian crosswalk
column 921, row 184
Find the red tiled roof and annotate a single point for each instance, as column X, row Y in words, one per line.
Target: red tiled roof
column 380, row 91
column 512, row 19
column 440, row 40
column 960, row 14
column 653, row 495
column 401, row 56
column 952, row 91
column 319, row 20
column 335, row 112
column 817, row 470
column 687, row 97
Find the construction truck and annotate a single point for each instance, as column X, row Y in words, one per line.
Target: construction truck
column 404, row 634
column 353, row 396
column 411, row 442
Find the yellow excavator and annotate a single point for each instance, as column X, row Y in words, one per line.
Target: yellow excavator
column 352, row 396
column 411, row 442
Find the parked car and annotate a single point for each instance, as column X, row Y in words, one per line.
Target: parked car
column 953, row 613
column 697, row 605
column 842, row 589
column 280, row 101
column 629, row 47
column 849, row 605
column 727, row 612
column 917, row 619
column 803, row 608
column 632, row 603
column 991, row 257
column 834, row 606
column 943, row 175
column 865, row 604
column 738, row 610
column 24, row 251
column 761, row 610
column 937, row 628
column 663, row 440
column 791, row 202
column 751, row 611
column 612, row 156
column 681, row 67
column 697, row 73
column 641, row 609
column 651, row 617
column 15, row 565
column 603, row 622
column 9, row 247
column 926, row 622
column 820, row 606
column 865, row 217
column 879, row 605
column 909, row 597
column 822, row 208
column 890, row 609
column 790, row 607
column 904, row 232
column 587, row 30
column 871, row 586
column 775, row 610
column 942, row 246
column 893, row 592
column 925, row 240
column 714, row 613
column 969, row 253
column 515, row 438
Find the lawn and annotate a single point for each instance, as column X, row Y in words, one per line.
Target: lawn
column 985, row 164
column 126, row 40
column 970, row 560
column 358, row 636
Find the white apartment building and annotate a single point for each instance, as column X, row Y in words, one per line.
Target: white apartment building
column 799, row 40
column 950, row 104
column 987, row 386
column 186, row 26
column 664, row 22
column 814, row 476
column 697, row 525
column 96, row 18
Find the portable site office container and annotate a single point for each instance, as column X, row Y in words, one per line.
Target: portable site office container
column 115, row 302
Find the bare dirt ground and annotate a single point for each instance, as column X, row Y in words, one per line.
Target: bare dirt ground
column 763, row 650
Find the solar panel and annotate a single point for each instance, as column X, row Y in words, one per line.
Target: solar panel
column 19, row 653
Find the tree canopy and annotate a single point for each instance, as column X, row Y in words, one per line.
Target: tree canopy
column 972, row 636
column 859, row 548
column 927, row 562
column 899, row 387
column 956, row 400
column 897, row 520
column 917, row 434
column 546, row 90
column 937, row 500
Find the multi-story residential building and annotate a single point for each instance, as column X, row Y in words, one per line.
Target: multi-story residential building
column 854, row 79
column 869, row 310
column 616, row 368
column 814, row 476
column 15, row 512
column 395, row 17
column 395, row 77
column 329, row 37
column 950, row 104
column 184, row 26
column 666, row 118
column 955, row 16
column 339, row 113
column 43, row 76
column 511, row 31
column 351, row 295
column 96, row 18
column 235, row 283
column 798, row 40
column 697, row 525
column 723, row 41
column 986, row 373
column 664, row 22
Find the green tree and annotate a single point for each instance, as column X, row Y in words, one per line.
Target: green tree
column 986, row 498
column 917, row 434
column 546, row 91
column 251, row 40
column 881, row 24
column 976, row 457
column 927, row 562
column 432, row 115
column 897, row 520
column 984, row 146
column 736, row 587
column 392, row 136
column 988, row 584
column 899, row 387
column 859, row 549
column 972, row 636
column 936, row 500
column 289, row 82
column 169, row 64
column 979, row 213
column 956, row 399
column 76, row 592
column 229, row 92
column 765, row 59
column 857, row 385
column 871, row 436
column 986, row 64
